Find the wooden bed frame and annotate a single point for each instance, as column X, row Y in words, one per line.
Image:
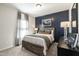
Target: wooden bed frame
column 33, row 48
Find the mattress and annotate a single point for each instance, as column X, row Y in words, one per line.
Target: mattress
column 37, row 40
column 43, row 40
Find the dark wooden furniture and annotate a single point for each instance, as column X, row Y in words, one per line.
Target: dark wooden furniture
column 33, row 48
column 65, row 50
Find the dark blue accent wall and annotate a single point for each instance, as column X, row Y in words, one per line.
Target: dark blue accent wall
column 58, row 17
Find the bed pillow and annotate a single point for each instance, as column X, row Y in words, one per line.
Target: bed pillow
column 71, row 39
column 48, row 31
column 41, row 30
column 44, row 31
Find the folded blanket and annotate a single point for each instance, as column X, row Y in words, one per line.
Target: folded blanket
column 47, row 40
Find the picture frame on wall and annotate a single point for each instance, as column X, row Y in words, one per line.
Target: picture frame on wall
column 47, row 22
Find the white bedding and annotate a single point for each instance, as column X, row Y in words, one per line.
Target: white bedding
column 50, row 36
column 39, row 41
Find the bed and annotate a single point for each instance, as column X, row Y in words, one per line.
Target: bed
column 38, row 43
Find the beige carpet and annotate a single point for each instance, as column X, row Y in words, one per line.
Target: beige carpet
column 18, row 51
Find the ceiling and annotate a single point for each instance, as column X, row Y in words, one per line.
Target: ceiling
column 46, row 8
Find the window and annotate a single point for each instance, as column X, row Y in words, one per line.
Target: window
column 22, row 27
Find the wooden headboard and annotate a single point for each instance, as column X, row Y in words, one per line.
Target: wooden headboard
column 45, row 30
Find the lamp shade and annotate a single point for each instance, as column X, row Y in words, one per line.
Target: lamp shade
column 65, row 24
column 73, row 23
column 36, row 29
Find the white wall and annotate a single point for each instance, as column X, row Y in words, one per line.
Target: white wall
column 8, row 16
column 31, row 24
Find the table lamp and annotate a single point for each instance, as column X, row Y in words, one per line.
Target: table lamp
column 65, row 25
column 36, row 29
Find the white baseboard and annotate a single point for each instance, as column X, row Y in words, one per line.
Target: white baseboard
column 6, row 48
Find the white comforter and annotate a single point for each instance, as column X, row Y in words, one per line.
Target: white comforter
column 39, row 41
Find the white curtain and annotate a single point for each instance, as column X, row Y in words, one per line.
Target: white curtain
column 22, row 26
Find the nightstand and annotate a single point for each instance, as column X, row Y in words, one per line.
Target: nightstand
column 65, row 50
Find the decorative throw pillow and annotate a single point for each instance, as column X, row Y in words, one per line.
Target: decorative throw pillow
column 71, row 40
